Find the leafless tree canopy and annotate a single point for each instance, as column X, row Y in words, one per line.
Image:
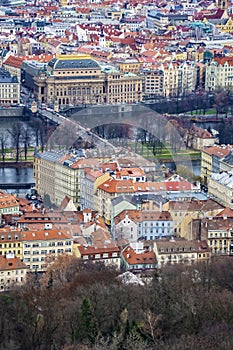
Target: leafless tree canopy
column 83, row 306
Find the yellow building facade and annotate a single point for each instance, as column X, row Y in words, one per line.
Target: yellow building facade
column 126, row 66
column 11, row 243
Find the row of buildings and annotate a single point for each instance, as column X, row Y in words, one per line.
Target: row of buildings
column 94, row 184
column 80, row 79
column 41, row 236
column 98, row 53
column 70, row 80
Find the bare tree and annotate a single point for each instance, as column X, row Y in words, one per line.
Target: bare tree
column 26, row 137
column 16, row 132
column 3, row 141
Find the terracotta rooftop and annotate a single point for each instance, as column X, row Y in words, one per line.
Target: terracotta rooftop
column 91, row 250
column 45, row 235
column 132, row 258
column 218, row 151
column 11, row 264
column 139, row 216
column 7, row 200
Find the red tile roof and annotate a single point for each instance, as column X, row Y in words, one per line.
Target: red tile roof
column 14, row 61
column 223, row 60
column 139, row 216
column 218, row 151
column 133, row 258
column 45, row 235
column 91, row 250
column 11, row 264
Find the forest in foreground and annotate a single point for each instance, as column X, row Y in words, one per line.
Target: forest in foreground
column 77, row 306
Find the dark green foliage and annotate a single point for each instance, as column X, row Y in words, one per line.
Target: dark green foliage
column 87, row 329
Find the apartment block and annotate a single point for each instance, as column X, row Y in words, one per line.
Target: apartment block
column 42, row 245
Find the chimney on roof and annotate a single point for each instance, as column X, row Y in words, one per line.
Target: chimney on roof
column 10, row 256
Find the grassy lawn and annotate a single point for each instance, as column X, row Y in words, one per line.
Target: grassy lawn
column 163, row 153
column 210, row 111
column 10, row 155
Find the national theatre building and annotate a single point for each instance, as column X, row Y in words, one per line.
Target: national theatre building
column 74, row 80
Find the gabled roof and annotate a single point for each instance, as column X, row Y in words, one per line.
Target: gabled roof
column 227, row 212
column 132, row 258
column 14, row 61
column 140, row 216
column 11, row 264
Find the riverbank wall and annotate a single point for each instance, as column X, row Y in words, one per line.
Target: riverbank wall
column 16, row 164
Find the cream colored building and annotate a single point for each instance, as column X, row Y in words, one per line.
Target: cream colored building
column 221, row 186
column 187, row 78
column 129, row 65
column 58, row 178
column 13, row 65
column 75, row 80
column 153, row 82
column 170, row 71
column 219, row 73
column 183, row 212
column 220, row 236
column 42, row 245
column 12, row 272
column 210, row 160
column 9, row 89
column 180, row 251
column 109, row 190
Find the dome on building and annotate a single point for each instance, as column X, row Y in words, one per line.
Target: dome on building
column 208, row 55
column 73, row 62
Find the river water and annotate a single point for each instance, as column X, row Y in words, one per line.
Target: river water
column 18, row 175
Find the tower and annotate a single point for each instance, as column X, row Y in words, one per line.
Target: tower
column 222, row 4
column 102, row 42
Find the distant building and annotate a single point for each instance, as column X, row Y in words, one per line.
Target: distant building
column 132, row 225
column 77, row 80
column 198, row 138
column 12, row 271
column 138, row 262
column 9, row 88
column 221, row 186
column 210, row 160
column 219, row 73
column 180, row 251
column 58, row 175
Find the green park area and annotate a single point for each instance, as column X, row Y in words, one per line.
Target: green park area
column 163, row 152
column 10, row 155
column 207, row 112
